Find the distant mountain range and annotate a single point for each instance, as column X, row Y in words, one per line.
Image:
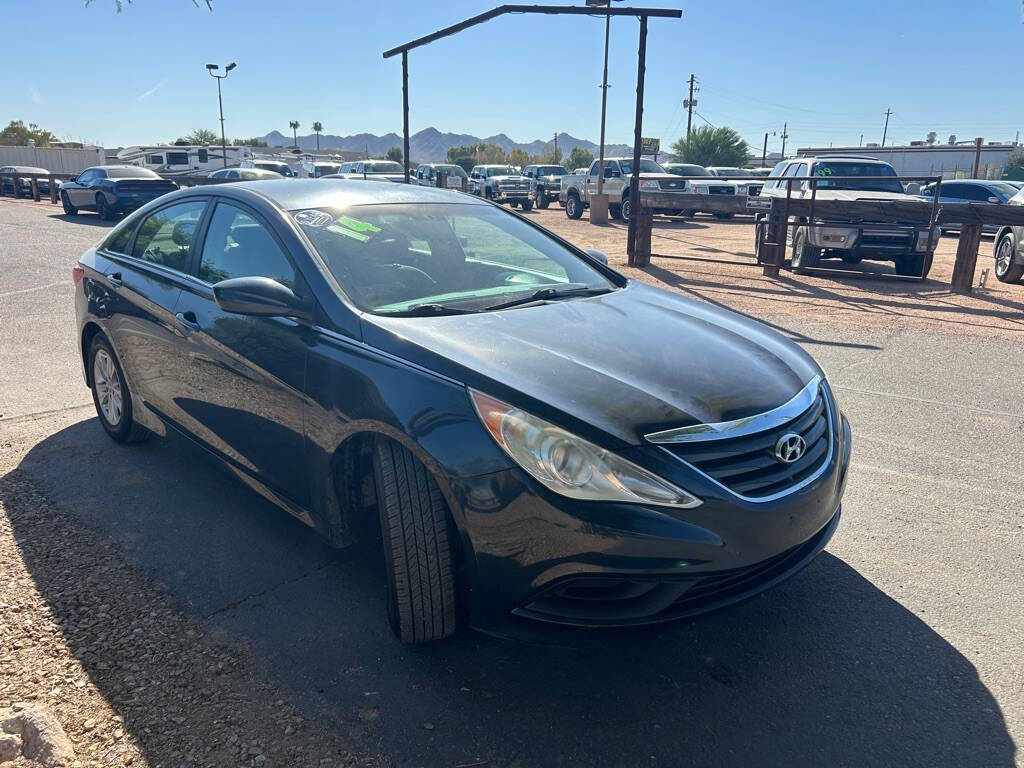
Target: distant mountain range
column 431, row 145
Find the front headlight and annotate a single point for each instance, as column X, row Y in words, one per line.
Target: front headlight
column 649, row 184
column 922, row 239
column 570, row 465
column 700, row 189
column 832, row 237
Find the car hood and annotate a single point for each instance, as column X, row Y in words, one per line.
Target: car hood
column 613, row 367
column 508, row 178
column 859, row 194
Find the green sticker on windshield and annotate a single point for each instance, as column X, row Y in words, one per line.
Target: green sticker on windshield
column 357, row 230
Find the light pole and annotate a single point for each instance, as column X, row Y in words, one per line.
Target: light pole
column 599, row 204
column 212, row 69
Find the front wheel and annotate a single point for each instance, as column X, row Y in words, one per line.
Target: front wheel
column 542, row 200
column 527, row 205
column 804, row 256
column 417, row 550
column 65, row 201
column 1006, row 270
column 759, row 229
column 110, row 393
column 624, row 209
column 573, row 206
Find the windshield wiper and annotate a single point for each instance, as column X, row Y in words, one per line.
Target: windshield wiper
column 429, row 310
column 547, row 294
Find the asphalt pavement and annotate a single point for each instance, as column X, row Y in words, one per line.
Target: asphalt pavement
column 901, row 645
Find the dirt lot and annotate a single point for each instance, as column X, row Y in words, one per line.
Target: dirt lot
column 168, row 616
column 711, row 259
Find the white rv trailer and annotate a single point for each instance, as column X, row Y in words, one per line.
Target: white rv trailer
column 173, row 160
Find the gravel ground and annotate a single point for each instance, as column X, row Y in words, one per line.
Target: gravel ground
column 167, row 616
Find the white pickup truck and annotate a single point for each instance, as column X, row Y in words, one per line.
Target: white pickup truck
column 576, row 189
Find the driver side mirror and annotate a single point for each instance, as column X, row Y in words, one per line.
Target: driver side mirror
column 260, row 297
column 993, row 199
column 72, row 178
column 596, row 255
column 913, row 188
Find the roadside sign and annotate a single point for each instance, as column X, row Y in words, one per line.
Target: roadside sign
column 650, row 146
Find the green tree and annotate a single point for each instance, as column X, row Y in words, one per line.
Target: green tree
column 553, row 156
column 475, row 154
column 711, row 146
column 518, row 157
column 17, row 134
column 317, row 128
column 199, row 136
column 395, row 153
column 255, row 141
column 579, row 158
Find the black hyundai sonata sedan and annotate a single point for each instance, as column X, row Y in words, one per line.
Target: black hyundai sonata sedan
column 539, row 438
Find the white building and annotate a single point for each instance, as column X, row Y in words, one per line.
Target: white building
column 951, row 161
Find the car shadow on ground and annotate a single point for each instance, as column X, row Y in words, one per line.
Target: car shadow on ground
column 824, row 670
column 85, row 217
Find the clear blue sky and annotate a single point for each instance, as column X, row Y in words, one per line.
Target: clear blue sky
column 829, row 68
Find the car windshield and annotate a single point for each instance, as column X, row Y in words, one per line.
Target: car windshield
column 733, row 172
column 1003, row 190
column 392, row 259
column 551, row 170
column 130, row 173
column 451, row 170
column 824, row 170
column 646, row 166
column 507, row 170
column 688, row 170
column 383, row 166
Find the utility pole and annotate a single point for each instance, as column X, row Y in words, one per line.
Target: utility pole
column 785, row 136
column 556, row 142
column 861, row 142
column 599, row 203
column 977, row 157
column 886, row 131
column 689, row 103
column 764, row 152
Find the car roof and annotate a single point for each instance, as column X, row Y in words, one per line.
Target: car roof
column 297, row 194
column 26, row 169
column 858, row 158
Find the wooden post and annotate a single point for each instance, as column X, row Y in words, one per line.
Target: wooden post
column 34, row 184
column 405, row 113
column 641, row 256
column 966, row 258
column 53, row 189
column 634, row 184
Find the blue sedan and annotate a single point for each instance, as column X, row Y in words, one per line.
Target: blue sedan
column 971, row 191
column 112, row 189
column 539, row 439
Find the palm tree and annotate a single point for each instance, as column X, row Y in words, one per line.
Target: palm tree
column 294, row 125
column 317, row 127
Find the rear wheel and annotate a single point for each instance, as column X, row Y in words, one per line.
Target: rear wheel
column 417, row 549
column 527, row 205
column 573, row 206
column 1006, row 270
column 758, row 237
column 103, row 208
column 110, row 393
column 804, row 256
column 69, row 209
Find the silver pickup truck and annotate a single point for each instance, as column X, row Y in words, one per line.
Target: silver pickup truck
column 576, row 189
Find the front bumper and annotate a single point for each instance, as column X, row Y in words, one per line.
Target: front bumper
column 502, row 195
column 537, row 559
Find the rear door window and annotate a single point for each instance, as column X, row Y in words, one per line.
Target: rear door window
column 238, row 245
column 165, row 236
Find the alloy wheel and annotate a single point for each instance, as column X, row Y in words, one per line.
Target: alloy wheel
column 107, row 382
column 1004, row 256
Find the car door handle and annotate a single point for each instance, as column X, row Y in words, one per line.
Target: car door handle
column 115, row 279
column 188, row 319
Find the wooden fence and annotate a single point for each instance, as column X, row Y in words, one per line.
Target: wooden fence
column 782, row 213
column 10, row 184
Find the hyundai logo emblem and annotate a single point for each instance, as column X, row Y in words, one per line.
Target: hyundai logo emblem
column 790, row 448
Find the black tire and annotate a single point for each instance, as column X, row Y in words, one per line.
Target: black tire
column 417, row 551
column 573, row 206
column 614, row 212
column 123, row 428
column 911, row 265
column 542, row 200
column 624, row 209
column 1007, row 271
column 103, row 208
column 758, row 237
column 724, row 216
column 512, row 203
column 804, row 256
column 526, row 205
column 851, row 259
column 689, row 214
column 69, row 209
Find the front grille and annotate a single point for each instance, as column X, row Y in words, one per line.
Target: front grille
column 887, row 240
column 672, row 184
column 748, row 465
column 721, row 190
column 754, row 190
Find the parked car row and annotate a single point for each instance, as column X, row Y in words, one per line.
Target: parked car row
column 22, row 185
